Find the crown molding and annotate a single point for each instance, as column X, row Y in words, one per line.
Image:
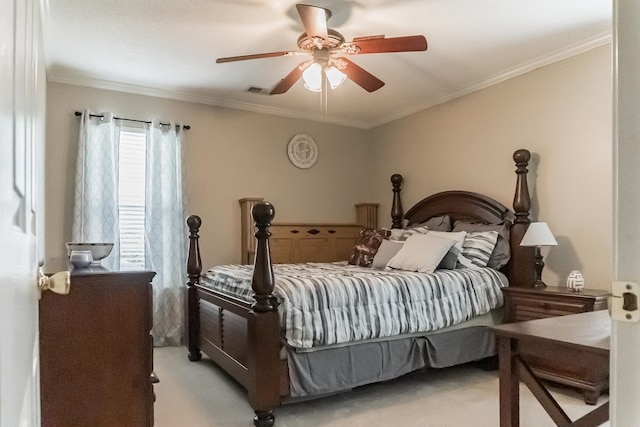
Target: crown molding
column 199, row 99
column 529, row 66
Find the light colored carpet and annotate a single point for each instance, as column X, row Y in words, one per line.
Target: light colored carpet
column 199, row 394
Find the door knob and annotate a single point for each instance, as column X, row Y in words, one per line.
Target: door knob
column 58, row 283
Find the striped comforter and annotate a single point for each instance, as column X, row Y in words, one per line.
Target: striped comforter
column 332, row 303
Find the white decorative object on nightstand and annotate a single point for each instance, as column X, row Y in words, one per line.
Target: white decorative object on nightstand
column 575, row 281
column 302, row 151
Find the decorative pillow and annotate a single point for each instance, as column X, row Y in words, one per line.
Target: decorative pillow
column 387, row 250
column 502, row 252
column 421, row 252
column 454, row 255
column 438, row 223
column 478, row 246
column 366, row 246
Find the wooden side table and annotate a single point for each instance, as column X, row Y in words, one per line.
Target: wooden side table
column 580, row 341
column 538, row 303
column 523, row 304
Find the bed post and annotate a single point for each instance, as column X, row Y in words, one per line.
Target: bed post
column 264, row 326
column 194, row 268
column 397, row 214
column 521, row 269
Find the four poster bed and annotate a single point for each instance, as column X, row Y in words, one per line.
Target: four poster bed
column 282, row 345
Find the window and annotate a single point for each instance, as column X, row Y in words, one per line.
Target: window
column 132, row 193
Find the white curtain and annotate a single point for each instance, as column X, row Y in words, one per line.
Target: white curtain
column 95, row 216
column 165, row 247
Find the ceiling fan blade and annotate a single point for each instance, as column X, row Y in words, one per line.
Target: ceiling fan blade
column 360, row 76
column 314, row 20
column 380, row 44
column 290, row 79
column 259, row 55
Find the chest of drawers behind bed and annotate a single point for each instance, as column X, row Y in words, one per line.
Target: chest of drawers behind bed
column 296, row 243
column 293, row 243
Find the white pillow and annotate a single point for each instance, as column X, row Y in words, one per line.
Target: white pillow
column 421, row 252
column 387, row 250
column 454, row 255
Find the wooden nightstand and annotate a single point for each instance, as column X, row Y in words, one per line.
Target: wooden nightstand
column 564, row 367
column 539, row 303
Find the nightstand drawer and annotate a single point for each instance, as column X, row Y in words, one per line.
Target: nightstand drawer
column 537, row 303
column 529, row 309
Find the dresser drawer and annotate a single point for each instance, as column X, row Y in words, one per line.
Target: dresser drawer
column 529, row 308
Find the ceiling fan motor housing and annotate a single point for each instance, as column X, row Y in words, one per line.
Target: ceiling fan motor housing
column 333, row 40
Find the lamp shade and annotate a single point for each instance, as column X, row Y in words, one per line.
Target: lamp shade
column 335, row 76
column 538, row 234
column 312, row 77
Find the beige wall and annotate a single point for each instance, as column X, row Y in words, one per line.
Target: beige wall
column 562, row 114
column 230, row 154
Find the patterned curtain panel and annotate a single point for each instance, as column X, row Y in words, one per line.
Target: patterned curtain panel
column 165, row 248
column 95, row 216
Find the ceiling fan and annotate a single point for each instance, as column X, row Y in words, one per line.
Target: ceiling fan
column 328, row 48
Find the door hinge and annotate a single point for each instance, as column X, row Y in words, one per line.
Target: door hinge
column 624, row 301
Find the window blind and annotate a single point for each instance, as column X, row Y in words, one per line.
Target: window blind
column 132, row 194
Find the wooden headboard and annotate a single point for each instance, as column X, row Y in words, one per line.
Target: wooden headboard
column 292, row 243
column 474, row 207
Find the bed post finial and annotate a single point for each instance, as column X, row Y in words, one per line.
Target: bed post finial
column 194, row 268
column 194, row 263
column 263, row 280
column 397, row 213
column 521, row 199
column 521, row 265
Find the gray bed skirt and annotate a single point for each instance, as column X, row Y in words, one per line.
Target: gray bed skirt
column 336, row 369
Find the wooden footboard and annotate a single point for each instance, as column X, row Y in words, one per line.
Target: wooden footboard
column 243, row 339
column 225, row 337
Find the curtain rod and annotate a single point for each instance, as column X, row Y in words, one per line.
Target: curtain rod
column 78, row 114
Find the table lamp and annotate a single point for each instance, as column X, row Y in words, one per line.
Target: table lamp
column 538, row 234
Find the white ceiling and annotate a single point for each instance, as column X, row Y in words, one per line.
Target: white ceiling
column 168, row 48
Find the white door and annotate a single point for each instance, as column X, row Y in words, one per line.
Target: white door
column 625, row 337
column 22, row 105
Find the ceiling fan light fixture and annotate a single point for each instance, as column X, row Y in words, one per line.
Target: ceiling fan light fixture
column 335, row 76
column 312, row 77
column 328, row 47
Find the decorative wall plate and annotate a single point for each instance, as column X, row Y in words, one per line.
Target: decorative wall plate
column 302, row 151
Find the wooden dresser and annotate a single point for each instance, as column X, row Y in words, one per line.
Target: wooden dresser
column 96, row 351
column 294, row 243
